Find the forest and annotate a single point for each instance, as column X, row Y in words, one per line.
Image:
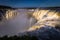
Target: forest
column 25, row 37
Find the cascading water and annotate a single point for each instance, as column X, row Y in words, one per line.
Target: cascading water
column 16, row 21
column 21, row 20
column 46, row 18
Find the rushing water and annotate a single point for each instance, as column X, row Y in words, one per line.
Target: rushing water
column 15, row 21
column 21, row 20
column 49, row 17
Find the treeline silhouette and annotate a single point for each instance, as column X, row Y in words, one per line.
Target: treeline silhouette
column 24, row 37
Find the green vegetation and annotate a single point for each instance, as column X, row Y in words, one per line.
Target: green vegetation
column 18, row 38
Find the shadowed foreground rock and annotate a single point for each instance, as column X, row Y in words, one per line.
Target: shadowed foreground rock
column 46, row 33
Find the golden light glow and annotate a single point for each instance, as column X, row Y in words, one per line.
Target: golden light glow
column 10, row 14
column 46, row 17
column 33, row 28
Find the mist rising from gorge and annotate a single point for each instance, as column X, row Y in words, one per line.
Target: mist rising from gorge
column 15, row 21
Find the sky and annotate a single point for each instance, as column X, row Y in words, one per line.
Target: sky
column 30, row 3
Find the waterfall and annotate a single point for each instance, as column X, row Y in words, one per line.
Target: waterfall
column 21, row 20
column 46, row 17
column 16, row 21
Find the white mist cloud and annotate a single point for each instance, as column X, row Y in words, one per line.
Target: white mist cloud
column 18, row 24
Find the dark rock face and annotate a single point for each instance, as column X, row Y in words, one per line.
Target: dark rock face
column 45, row 33
column 2, row 13
column 3, row 10
column 5, row 7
